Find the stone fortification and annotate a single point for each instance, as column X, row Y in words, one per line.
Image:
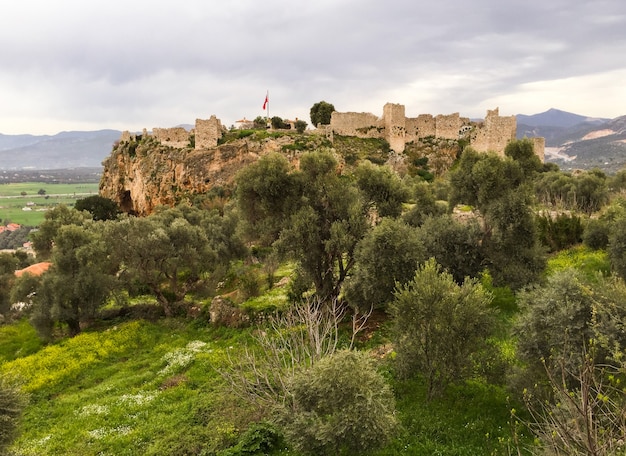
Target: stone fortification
column 395, row 126
column 539, row 146
column 207, row 133
column 495, row 133
column 175, row 137
column 155, row 168
column 359, row 124
column 491, row 135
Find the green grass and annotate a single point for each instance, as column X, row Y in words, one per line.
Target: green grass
column 472, row 419
column 589, row 262
column 17, row 341
column 130, row 389
column 12, row 201
column 152, row 388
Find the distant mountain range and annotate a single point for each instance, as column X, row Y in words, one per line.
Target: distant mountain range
column 68, row 149
column 578, row 142
column 573, row 141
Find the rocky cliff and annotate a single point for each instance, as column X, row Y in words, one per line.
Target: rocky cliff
column 142, row 173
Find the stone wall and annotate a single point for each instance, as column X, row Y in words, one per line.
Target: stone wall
column 425, row 126
column 395, row 126
column 494, row 133
column 208, row 132
column 175, row 137
column 448, row 126
column 539, row 147
column 359, row 124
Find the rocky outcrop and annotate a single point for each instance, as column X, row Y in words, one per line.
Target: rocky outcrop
column 142, row 173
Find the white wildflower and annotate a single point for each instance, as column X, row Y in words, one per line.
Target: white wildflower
column 93, row 409
column 137, row 399
column 182, row 357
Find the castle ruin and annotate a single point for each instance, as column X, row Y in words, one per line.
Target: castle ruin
column 206, row 134
column 490, row 135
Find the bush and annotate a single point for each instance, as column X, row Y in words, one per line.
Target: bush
column 300, row 126
column 596, row 234
column 260, row 438
column 555, row 319
column 561, row 232
column 341, row 405
column 12, row 402
column 440, row 327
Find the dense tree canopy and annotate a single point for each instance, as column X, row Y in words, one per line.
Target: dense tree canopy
column 318, row 215
column 43, row 238
column 99, row 207
column 170, row 252
column 500, row 189
column 382, row 188
column 321, row 113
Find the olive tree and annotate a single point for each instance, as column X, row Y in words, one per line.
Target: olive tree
column 499, row 189
column 78, row 283
column 43, row 238
column 171, row 252
column 318, row 215
column 321, row 113
column 455, row 245
column 388, row 254
column 381, row 188
column 439, row 326
column 571, row 340
column 99, row 207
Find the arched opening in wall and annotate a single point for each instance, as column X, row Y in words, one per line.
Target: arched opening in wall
column 126, row 203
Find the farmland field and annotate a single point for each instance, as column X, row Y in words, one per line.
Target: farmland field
column 26, row 202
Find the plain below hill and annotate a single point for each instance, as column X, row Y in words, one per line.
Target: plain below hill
column 68, row 149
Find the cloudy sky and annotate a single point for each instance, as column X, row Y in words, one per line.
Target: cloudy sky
column 88, row 65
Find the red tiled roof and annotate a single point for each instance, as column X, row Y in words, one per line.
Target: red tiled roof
column 35, row 269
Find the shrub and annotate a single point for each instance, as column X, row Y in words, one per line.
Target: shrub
column 560, row 232
column 260, row 438
column 439, row 326
column 12, row 402
column 341, row 404
column 300, row 126
column 596, row 234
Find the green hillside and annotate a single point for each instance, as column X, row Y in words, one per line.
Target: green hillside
column 335, row 307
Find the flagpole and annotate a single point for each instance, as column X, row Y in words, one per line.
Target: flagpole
column 267, row 97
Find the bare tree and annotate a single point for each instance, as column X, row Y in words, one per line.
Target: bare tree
column 289, row 342
column 588, row 419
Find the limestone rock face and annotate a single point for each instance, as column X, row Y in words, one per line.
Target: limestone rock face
column 142, row 174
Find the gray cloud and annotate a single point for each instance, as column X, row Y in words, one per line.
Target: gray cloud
column 130, row 64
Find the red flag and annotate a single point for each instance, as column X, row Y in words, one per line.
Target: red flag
column 265, row 102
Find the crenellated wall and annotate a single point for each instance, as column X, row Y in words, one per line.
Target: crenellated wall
column 491, row 135
column 359, row 124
